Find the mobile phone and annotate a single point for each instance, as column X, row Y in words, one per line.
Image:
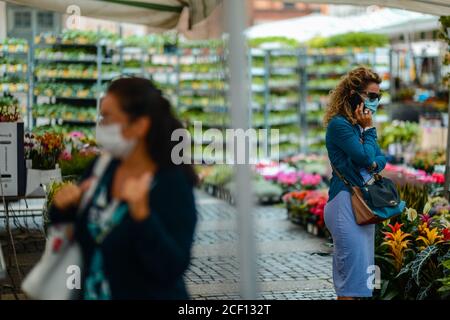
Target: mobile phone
column 355, row 101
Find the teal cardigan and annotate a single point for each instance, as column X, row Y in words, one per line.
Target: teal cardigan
column 351, row 150
column 144, row 260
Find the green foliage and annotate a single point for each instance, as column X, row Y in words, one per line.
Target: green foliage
column 14, row 41
column 219, row 175
column 65, row 112
column 399, row 132
column 76, row 166
column 427, row 160
column 352, row 39
column 445, row 288
column 415, row 196
column 9, row 109
column 263, row 188
column 445, row 23
column 282, row 41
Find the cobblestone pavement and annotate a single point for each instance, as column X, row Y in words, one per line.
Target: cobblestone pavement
column 292, row 264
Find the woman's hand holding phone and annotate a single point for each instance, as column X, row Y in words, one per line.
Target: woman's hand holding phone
column 363, row 116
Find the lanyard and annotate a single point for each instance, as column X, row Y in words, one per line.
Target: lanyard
column 116, row 209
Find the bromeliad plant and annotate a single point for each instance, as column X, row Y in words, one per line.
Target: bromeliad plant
column 412, row 254
column 396, row 240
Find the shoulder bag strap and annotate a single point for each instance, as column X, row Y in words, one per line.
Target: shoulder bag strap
column 340, row 176
column 99, row 169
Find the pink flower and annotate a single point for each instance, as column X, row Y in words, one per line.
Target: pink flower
column 311, row 180
column 287, row 178
column 76, row 135
column 438, row 178
column 65, row 155
column 425, row 218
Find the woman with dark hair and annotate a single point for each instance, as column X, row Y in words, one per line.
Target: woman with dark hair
column 351, row 142
column 136, row 228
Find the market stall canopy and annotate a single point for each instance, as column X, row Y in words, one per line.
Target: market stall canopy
column 385, row 21
column 163, row 14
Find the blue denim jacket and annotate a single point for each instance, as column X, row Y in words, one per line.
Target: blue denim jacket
column 349, row 151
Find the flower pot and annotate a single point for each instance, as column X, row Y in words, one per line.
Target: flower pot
column 37, row 179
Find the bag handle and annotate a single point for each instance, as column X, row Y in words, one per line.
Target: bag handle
column 99, row 169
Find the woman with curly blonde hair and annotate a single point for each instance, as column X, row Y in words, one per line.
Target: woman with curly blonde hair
column 351, row 142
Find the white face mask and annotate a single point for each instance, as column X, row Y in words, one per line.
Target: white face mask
column 110, row 138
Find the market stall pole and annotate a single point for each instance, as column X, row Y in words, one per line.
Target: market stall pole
column 447, row 164
column 236, row 18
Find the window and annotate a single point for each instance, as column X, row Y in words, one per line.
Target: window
column 289, row 5
column 45, row 19
column 22, row 19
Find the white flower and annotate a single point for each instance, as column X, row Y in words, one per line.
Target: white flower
column 411, row 214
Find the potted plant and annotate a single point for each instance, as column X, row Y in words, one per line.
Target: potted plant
column 12, row 165
column 42, row 153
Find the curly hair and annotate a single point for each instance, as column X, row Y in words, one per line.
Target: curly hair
column 356, row 80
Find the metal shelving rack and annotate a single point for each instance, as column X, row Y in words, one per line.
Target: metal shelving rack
column 288, row 92
column 22, row 53
column 201, row 91
column 90, row 86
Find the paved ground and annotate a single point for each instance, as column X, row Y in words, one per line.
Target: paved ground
column 292, row 263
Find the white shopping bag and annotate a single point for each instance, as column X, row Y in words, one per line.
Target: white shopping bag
column 57, row 275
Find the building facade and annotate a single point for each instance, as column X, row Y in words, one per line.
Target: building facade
column 262, row 11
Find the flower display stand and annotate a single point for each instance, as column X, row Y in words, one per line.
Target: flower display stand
column 38, row 179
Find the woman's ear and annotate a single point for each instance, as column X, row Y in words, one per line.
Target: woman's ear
column 145, row 125
column 141, row 126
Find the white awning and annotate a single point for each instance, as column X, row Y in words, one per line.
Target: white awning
column 164, row 14
column 385, row 21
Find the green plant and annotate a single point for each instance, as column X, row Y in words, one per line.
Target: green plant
column 283, row 41
column 219, row 175
column 427, row 160
column 352, row 39
column 415, row 196
column 445, row 288
column 412, row 254
column 43, row 150
column 76, row 165
column 403, row 132
column 404, row 94
column 9, row 109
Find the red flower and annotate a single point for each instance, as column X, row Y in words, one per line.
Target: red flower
column 394, row 229
column 446, row 234
column 438, row 178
